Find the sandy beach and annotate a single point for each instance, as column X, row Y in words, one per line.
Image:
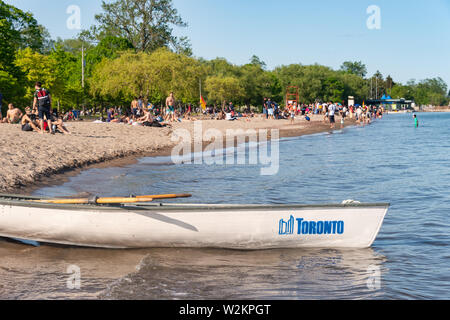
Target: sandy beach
column 29, row 159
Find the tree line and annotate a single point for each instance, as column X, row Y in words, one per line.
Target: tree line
column 132, row 52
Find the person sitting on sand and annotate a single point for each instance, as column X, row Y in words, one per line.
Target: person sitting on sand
column 29, row 121
column 58, row 122
column 221, row 115
column 110, row 115
column 13, row 115
column 146, row 118
column 230, row 116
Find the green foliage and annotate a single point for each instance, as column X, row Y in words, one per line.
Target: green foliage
column 18, row 30
column 9, row 86
column 429, row 91
column 357, row 68
column 222, row 89
column 146, row 24
column 150, row 75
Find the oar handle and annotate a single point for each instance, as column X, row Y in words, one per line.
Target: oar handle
column 166, row 196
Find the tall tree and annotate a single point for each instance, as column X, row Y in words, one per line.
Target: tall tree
column 147, row 24
column 255, row 60
column 357, row 68
column 18, row 30
column 389, row 84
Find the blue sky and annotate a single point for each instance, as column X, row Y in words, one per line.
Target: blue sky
column 413, row 42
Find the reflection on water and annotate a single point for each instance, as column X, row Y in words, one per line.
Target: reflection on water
column 43, row 272
column 272, row 274
column 389, row 161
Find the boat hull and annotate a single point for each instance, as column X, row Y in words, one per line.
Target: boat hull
column 194, row 226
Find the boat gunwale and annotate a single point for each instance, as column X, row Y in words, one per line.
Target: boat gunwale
column 23, row 201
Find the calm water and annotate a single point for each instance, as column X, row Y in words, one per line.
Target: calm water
column 388, row 161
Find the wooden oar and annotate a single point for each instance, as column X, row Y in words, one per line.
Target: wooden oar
column 114, row 200
column 96, row 201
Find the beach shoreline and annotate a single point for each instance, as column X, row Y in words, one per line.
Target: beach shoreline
column 52, row 160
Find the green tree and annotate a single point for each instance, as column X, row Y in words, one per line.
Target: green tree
column 18, row 30
column 222, row 89
column 146, row 24
column 151, row 76
column 256, row 82
column 357, row 68
column 255, row 60
column 37, row 67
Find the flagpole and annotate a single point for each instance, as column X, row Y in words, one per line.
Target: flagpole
column 82, row 66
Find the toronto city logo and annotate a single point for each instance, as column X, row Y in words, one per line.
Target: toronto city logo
column 309, row 227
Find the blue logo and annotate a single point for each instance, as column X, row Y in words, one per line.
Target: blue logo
column 310, row 227
column 287, row 227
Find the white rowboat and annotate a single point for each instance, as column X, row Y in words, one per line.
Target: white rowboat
column 247, row 227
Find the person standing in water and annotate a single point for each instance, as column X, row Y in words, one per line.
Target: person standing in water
column 416, row 121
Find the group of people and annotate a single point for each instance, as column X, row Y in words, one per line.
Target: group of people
column 362, row 114
column 146, row 115
column 40, row 118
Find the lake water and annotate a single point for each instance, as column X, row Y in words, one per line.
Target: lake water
column 388, row 161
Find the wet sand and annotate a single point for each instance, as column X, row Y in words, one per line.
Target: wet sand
column 30, row 160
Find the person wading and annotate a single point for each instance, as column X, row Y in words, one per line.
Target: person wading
column 43, row 101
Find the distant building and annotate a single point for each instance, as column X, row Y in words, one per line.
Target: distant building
column 393, row 104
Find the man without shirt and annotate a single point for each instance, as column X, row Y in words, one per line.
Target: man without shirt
column 13, row 115
column 29, row 121
column 170, row 107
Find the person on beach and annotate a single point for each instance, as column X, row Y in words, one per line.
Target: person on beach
column 147, row 118
column 134, row 107
column 13, row 115
column 358, row 114
column 292, row 113
column 331, row 114
column 326, row 114
column 270, row 110
column 43, row 102
column 265, row 108
column 58, row 123
column 29, row 122
column 170, row 105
